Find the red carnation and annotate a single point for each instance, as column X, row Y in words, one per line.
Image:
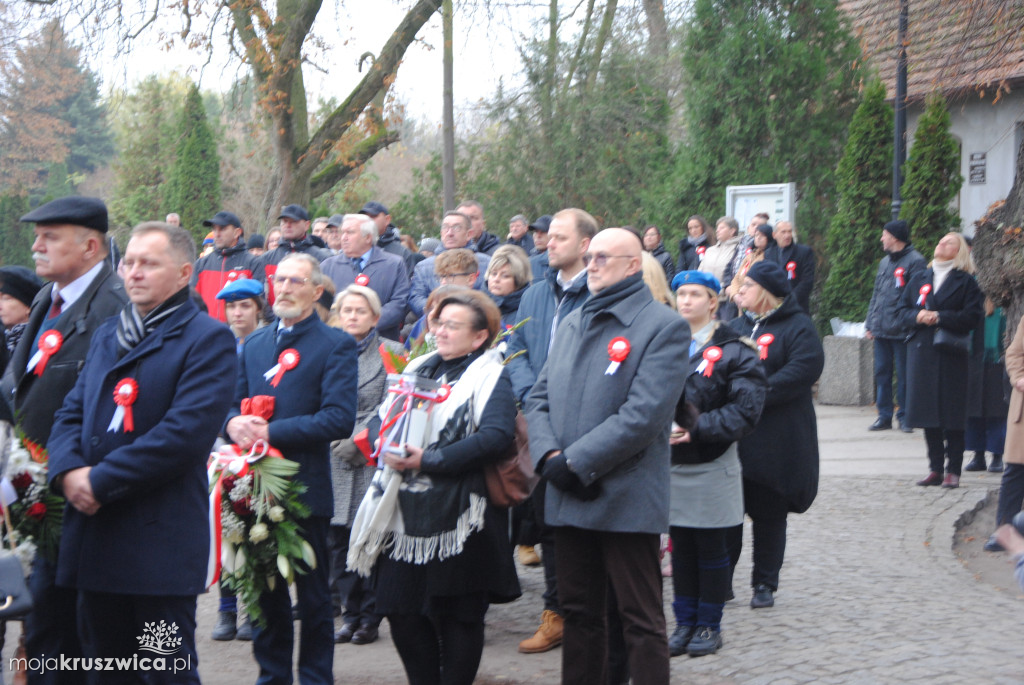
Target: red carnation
column 37, row 511
column 227, row 483
column 22, row 481
column 241, row 507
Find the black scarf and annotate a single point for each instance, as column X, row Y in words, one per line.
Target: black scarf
column 611, row 295
column 132, row 328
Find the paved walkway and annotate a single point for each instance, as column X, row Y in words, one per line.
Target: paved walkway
column 871, row 592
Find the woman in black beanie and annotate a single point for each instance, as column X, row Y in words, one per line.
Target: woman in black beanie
column 780, row 458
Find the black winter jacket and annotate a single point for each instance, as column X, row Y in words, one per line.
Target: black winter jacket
column 882, row 320
column 727, row 404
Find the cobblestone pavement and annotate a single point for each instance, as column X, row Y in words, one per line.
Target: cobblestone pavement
column 871, row 592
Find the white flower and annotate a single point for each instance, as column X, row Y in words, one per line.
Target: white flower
column 242, row 488
column 258, row 533
column 26, row 552
column 276, row 513
column 232, row 527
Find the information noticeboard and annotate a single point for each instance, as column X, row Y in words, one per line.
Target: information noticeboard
column 778, row 200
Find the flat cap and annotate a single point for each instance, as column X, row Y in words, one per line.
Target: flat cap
column 373, row 208
column 20, row 283
column 241, row 289
column 223, row 219
column 696, row 278
column 88, row 212
column 296, row 212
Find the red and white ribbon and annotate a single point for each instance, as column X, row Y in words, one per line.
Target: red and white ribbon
column 923, row 296
column 701, row 249
column 707, row 365
column 618, row 350
column 362, row 279
column 790, row 270
column 898, row 273
column 286, row 361
column 762, row 345
column 49, row 344
column 125, row 394
column 236, row 274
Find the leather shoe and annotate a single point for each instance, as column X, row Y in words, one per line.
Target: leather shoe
column 993, row 545
column 905, row 427
column 679, row 639
column 244, row 628
column 763, row 597
column 951, row 481
column 881, row 424
column 345, row 633
column 997, row 464
column 705, row 641
column 933, row 478
column 366, row 634
column 977, row 463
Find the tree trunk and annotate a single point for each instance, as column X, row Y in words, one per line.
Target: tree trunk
column 657, row 28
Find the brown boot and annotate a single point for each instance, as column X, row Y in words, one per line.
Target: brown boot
column 547, row 637
column 528, row 556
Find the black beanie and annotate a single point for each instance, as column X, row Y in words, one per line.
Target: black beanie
column 899, row 230
column 769, row 276
column 20, row 283
column 768, row 232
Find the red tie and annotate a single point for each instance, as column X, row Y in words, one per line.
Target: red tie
column 56, row 307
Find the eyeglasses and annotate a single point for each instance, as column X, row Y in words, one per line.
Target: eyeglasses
column 448, row 277
column 452, row 228
column 294, row 280
column 600, row 259
column 451, row 326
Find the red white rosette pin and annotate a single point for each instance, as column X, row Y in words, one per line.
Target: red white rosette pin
column 923, row 294
column 790, row 270
column 899, row 273
column 49, row 344
column 125, row 394
column 701, row 249
column 707, row 365
column 762, row 345
column 618, row 350
column 363, row 280
column 286, row 361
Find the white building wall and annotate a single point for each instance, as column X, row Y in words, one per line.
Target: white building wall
column 982, row 127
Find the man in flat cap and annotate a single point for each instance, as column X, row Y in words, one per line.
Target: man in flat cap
column 295, row 237
column 70, row 250
column 229, row 261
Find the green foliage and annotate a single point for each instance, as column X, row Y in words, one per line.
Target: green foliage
column 15, row 237
column 193, row 182
column 773, row 84
column 932, row 177
column 864, row 178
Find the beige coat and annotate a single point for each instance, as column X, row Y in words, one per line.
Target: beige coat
column 1013, row 450
column 718, row 256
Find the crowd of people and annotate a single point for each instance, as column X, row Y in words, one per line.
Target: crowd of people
column 663, row 395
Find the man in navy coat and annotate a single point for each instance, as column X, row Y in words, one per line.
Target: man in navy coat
column 315, row 403
column 135, row 538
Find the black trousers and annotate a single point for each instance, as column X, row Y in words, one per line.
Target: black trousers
column 113, row 625
column 945, row 448
column 444, row 648
column 588, row 561
column 349, row 590
column 767, row 510
column 51, row 629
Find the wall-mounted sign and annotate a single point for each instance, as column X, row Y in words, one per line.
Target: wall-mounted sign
column 976, row 169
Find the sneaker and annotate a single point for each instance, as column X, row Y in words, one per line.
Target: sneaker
column 244, row 628
column 547, row 637
column 225, row 628
column 763, row 598
column 705, row 641
column 528, row 556
column 679, row 639
column 997, row 464
column 993, row 545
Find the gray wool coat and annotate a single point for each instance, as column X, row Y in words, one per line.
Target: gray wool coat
column 350, row 475
column 613, row 429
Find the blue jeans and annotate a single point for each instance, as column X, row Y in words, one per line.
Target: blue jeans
column 888, row 354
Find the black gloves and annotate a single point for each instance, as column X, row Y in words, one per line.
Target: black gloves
column 556, row 471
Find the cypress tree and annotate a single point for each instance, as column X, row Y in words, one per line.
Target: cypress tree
column 193, row 186
column 932, row 177
column 864, row 178
column 15, row 237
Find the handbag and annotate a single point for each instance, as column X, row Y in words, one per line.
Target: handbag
column 952, row 343
column 15, row 599
column 511, row 479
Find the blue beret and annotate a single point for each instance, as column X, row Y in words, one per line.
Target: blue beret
column 88, row 212
column 242, row 289
column 696, row 278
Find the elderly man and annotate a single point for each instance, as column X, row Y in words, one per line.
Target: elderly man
column 70, row 250
column 388, row 237
column 173, row 219
column 797, row 260
column 315, row 403
column 128, row 450
column 599, row 418
column 362, row 261
column 479, row 239
column 455, row 230
column 519, row 234
column 294, row 229
column 229, row 261
column 332, row 233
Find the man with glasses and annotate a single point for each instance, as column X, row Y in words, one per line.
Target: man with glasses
column 455, row 227
column 599, row 418
column 314, row 403
column 362, row 261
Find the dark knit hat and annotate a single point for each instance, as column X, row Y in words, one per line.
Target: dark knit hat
column 20, row 283
column 88, row 212
column 899, row 230
column 256, row 240
column 769, row 276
